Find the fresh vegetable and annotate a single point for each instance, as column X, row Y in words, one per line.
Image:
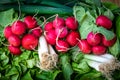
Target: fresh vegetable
column 48, row 26
column 117, row 24
column 94, row 38
column 71, row 64
column 30, row 22
column 61, row 31
column 47, row 55
column 18, row 63
column 109, row 43
column 37, row 31
column 58, row 21
column 29, row 42
column 99, row 50
column 62, row 46
column 72, row 38
column 71, row 23
column 18, row 27
column 103, row 63
column 7, row 32
column 84, row 46
column 14, row 50
column 51, row 37
column 57, row 33
column 14, row 40
column 32, row 9
column 104, row 21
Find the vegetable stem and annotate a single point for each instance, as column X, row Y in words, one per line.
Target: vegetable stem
column 96, row 58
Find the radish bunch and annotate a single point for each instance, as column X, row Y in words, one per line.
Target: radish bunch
column 23, row 34
column 96, row 43
column 62, row 33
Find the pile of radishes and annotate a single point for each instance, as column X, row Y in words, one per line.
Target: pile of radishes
column 96, row 43
column 62, row 33
column 23, row 34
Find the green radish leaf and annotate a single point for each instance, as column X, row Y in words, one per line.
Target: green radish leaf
column 110, row 5
column 27, row 76
column 66, row 67
column 87, row 25
column 93, row 75
column 12, row 71
column 15, row 77
column 6, row 17
column 47, row 75
column 94, row 2
column 79, row 13
column 107, row 33
column 4, row 59
column 115, row 49
column 109, row 14
column 81, row 67
column 76, row 56
column 30, row 63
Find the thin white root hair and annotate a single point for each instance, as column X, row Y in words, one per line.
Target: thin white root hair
column 108, row 68
column 48, row 59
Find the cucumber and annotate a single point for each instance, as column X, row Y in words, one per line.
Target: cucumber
column 32, row 9
column 117, row 24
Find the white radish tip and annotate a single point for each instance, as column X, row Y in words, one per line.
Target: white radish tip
column 48, row 62
column 108, row 68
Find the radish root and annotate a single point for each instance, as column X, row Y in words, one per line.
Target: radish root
column 108, row 68
column 47, row 55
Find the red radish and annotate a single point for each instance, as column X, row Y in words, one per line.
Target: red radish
column 58, row 22
column 71, row 23
column 104, row 21
column 61, row 31
column 14, row 50
column 62, row 46
column 108, row 43
column 72, row 38
column 29, row 42
column 98, row 50
column 14, row 40
column 37, row 31
column 51, row 37
column 84, row 46
column 30, row 22
column 48, row 26
column 94, row 38
column 8, row 32
column 18, row 27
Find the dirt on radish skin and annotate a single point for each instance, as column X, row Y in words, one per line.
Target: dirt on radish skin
column 14, row 50
column 108, row 43
column 62, row 46
column 99, row 50
column 58, row 22
column 8, row 32
column 29, row 42
column 37, row 32
column 104, row 21
column 51, row 37
column 61, row 31
column 84, row 46
column 18, row 27
column 94, row 38
column 14, row 40
column 30, row 22
column 73, row 37
column 71, row 23
column 48, row 26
